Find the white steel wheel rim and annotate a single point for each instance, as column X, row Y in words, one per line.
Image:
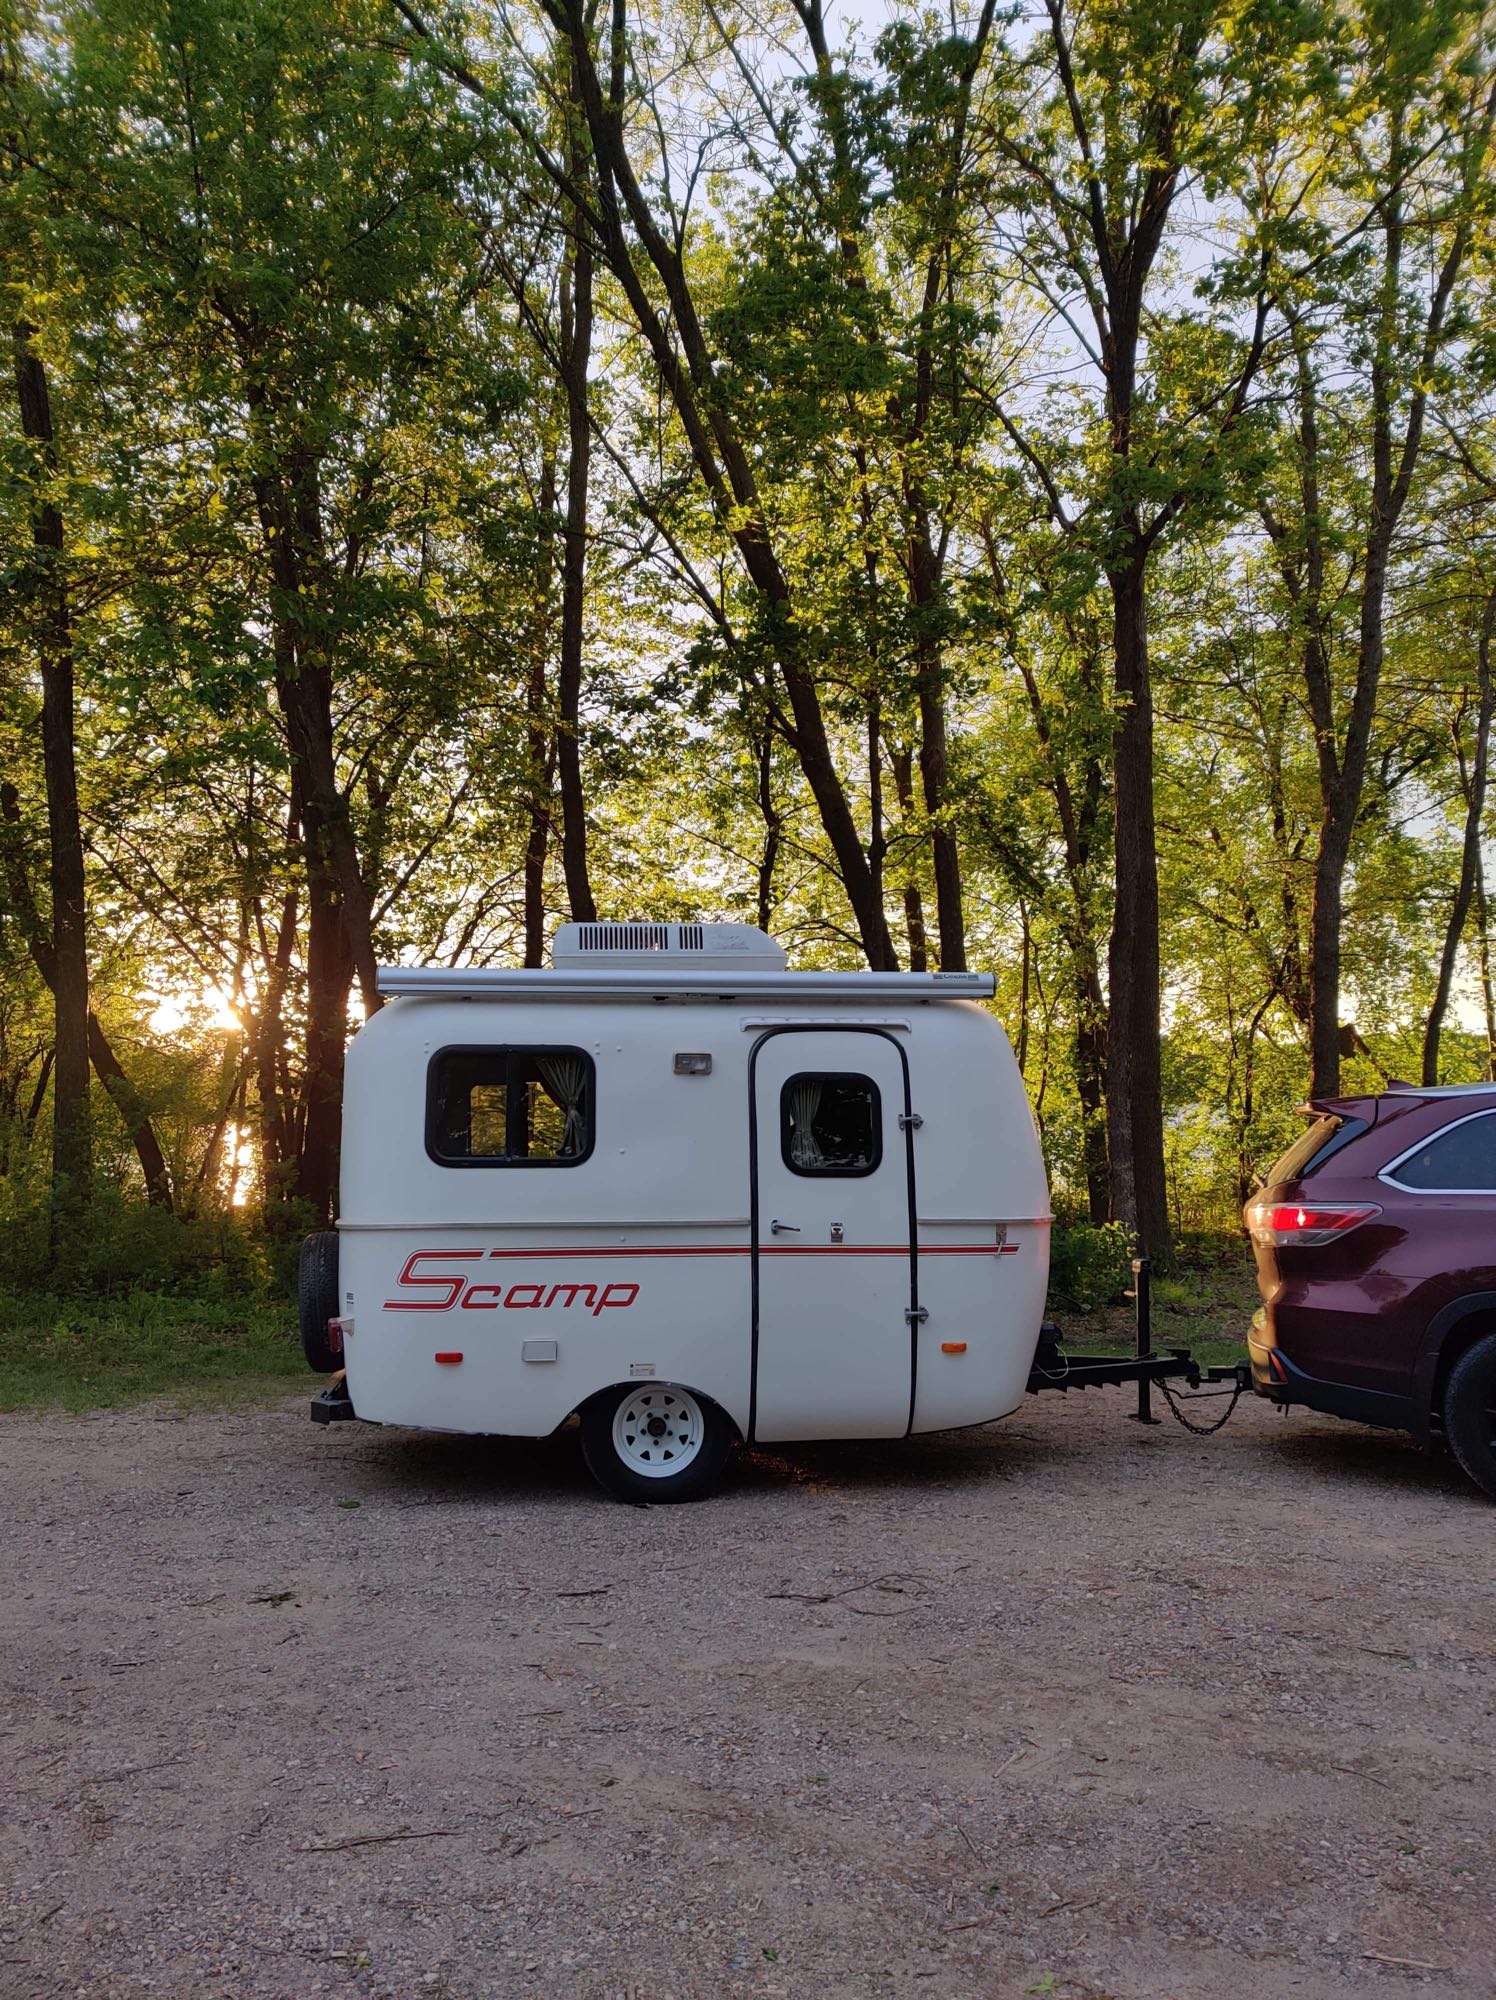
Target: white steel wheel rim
column 658, row 1430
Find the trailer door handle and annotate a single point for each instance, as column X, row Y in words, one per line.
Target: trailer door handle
column 777, row 1228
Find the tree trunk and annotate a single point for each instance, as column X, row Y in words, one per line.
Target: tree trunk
column 288, row 500
column 1483, row 953
column 773, row 830
column 934, row 771
column 304, row 690
column 71, row 1139
column 537, row 840
column 1026, row 935
column 122, row 1093
column 339, row 908
column 1139, row 1194
column 329, row 979
column 901, row 762
column 276, row 1124
column 126, row 1101
column 877, row 832
column 1090, row 1077
column 1325, row 914
column 1475, row 805
column 39, row 1095
column 576, row 352
column 539, row 751
column 934, row 756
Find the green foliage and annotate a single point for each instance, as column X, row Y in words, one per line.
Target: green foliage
column 82, row 1354
column 211, row 1257
column 1089, row 1268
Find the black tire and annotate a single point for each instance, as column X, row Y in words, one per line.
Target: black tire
column 1470, row 1413
column 317, row 1300
column 702, row 1424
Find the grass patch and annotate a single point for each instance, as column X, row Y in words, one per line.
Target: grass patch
column 88, row 1354
column 1206, row 1309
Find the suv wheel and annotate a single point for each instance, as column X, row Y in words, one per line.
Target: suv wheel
column 1470, row 1413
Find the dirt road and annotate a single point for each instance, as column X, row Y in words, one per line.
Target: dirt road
column 1057, row 1706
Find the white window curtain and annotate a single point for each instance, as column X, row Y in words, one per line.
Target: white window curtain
column 805, row 1102
column 565, row 1079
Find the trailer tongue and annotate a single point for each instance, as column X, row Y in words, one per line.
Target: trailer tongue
column 1055, row 1369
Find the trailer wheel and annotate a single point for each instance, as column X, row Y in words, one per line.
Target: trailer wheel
column 1470, row 1413
column 317, row 1300
column 654, row 1441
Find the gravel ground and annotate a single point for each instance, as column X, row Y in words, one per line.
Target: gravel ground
column 1054, row 1706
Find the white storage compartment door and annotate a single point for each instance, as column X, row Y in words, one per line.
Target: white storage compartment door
column 832, row 1207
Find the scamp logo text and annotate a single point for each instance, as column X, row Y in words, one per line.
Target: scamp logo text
column 440, row 1291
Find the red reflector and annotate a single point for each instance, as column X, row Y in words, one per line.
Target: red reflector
column 447, row 1359
column 1307, row 1223
column 334, row 1336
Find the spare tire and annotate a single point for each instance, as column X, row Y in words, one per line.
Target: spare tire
column 317, row 1301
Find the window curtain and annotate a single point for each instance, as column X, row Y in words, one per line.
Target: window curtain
column 565, row 1080
column 805, row 1102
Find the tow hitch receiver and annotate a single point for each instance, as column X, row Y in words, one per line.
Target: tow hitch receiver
column 334, row 1405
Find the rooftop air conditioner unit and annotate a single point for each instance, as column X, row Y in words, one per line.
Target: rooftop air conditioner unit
column 680, row 947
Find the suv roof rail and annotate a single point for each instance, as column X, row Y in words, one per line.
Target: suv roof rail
column 1397, row 1088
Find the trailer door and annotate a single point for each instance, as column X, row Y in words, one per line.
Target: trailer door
column 833, row 1253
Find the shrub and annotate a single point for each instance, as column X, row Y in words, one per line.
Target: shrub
column 1089, row 1268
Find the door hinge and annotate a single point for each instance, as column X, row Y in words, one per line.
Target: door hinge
column 916, row 1315
column 910, row 1121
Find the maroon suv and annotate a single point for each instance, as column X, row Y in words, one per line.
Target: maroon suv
column 1375, row 1238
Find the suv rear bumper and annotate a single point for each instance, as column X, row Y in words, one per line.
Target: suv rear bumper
column 1281, row 1381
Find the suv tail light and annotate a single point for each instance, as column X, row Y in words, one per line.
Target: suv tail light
column 1284, row 1223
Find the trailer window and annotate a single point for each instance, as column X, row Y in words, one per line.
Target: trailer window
column 831, row 1122
column 494, row 1107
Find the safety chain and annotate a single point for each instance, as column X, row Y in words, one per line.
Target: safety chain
column 1202, row 1396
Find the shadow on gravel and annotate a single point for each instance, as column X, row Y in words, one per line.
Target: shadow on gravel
column 423, row 1468
column 1358, row 1453
column 414, row 1468
column 983, row 1456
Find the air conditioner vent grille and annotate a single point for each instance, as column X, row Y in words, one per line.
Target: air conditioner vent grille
column 623, row 937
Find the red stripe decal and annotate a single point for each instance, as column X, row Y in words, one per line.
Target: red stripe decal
column 765, row 1250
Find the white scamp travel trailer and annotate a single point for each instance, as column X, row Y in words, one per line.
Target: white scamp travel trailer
column 675, row 1189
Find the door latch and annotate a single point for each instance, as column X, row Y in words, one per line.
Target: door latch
column 777, row 1228
column 910, row 1121
column 916, row 1315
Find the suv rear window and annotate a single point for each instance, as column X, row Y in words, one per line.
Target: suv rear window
column 1459, row 1160
column 1312, row 1148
